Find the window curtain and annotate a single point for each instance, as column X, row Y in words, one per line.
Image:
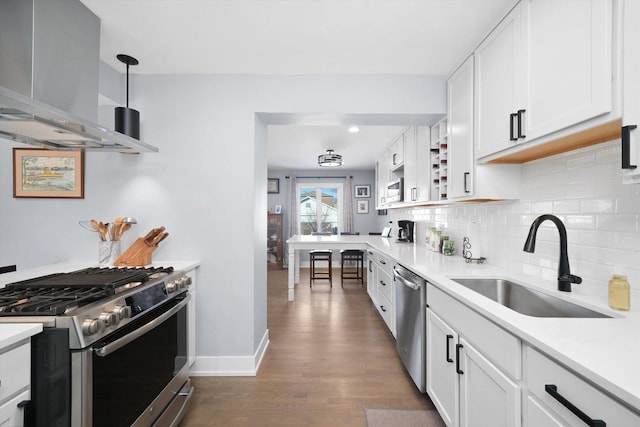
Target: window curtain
column 348, row 207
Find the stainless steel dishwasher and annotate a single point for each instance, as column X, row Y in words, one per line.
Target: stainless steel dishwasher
column 410, row 307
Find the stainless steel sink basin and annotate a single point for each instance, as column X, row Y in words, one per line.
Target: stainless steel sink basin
column 525, row 300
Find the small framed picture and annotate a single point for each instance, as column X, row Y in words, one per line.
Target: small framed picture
column 362, row 191
column 363, row 206
column 273, row 185
column 277, row 209
column 48, row 174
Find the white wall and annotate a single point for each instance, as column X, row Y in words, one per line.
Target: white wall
column 584, row 188
column 207, row 186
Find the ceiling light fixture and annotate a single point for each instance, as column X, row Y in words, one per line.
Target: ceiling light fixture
column 354, row 129
column 127, row 120
column 330, row 159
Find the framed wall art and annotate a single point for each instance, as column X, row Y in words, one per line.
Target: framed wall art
column 273, row 185
column 362, row 191
column 363, row 206
column 41, row 173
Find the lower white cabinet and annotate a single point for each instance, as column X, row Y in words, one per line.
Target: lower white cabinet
column 191, row 314
column 372, row 276
column 380, row 287
column 466, row 388
column 15, row 379
column 558, row 397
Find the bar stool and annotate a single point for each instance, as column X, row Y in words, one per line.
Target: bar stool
column 349, row 256
column 320, row 255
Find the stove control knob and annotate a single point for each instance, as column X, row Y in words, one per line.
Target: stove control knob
column 109, row 318
column 171, row 286
column 122, row 311
column 92, row 326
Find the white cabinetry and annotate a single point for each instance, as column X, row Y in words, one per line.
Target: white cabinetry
column 460, row 122
column 545, row 68
column 191, row 313
column 467, row 357
column 385, row 291
column 15, row 380
column 382, row 179
column 631, row 78
column 499, row 65
column 396, row 153
column 417, row 176
column 466, row 179
column 372, row 276
column 558, row 397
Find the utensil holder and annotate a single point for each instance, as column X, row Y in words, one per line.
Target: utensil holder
column 108, row 252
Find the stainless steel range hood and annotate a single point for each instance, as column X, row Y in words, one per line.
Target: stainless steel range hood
column 26, row 120
column 49, row 66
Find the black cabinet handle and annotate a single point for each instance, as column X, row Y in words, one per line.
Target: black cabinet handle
column 370, row 269
column 382, row 262
column 458, row 370
column 466, row 181
column 449, row 359
column 512, row 135
column 552, row 389
column 626, row 147
column 520, row 118
column 382, row 283
column 382, row 308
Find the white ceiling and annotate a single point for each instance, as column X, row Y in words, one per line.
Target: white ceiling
column 297, row 37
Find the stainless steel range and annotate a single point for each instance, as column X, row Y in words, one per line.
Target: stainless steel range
column 113, row 351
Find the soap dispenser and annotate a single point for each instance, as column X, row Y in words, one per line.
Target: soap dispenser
column 619, row 291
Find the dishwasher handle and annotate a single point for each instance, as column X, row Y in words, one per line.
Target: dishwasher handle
column 412, row 285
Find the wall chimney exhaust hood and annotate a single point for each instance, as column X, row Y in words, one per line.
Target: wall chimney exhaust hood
column 49, row 70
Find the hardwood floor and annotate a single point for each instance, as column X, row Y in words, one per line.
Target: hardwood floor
column 330, row 357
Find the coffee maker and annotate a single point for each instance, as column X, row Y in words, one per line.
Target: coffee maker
column 406, row 231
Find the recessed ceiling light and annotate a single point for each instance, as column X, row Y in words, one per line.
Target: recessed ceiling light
column 354, row 129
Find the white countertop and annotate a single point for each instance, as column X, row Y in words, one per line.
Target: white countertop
column 605, row 351
column 16, row 332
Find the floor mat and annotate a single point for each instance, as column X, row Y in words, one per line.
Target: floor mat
column 402, row 418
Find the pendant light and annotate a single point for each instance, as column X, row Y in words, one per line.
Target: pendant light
column 330, row 159
column 127, row 120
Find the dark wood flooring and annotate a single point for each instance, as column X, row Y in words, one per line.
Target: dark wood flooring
column 330, row 356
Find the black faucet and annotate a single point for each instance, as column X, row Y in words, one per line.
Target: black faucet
column 565, row 278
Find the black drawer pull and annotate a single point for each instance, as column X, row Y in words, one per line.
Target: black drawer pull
column 382, row 308
column 449, row 359
column 626, row 147
column 552, row 389
column 512, row 135
column 458, row 370
column 382, row 283
column 520, row 116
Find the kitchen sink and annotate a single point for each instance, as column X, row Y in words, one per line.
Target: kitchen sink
column 525, row 300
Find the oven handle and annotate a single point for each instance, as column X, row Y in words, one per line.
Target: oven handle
column 121, row 342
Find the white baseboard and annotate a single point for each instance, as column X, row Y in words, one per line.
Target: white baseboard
column 231, row 366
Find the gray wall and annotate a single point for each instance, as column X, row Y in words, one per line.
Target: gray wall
column 207, row 184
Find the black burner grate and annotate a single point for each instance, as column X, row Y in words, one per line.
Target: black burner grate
column 56, row 294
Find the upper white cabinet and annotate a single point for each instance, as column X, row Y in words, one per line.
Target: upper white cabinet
column 631, row 78
column 396, row 153
column 545, row 68
column 499, row 83
column 417, row 177
column 467, row 180
column 382, row 179
column 460, row 123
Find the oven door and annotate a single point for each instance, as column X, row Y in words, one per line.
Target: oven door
column 133, row 376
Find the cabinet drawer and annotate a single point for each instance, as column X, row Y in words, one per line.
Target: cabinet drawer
column 15, row 367
column 385, row 283
column 383, row 262
column 499, row 346
column 386, row 311
column 595, row 403
column 10, row 414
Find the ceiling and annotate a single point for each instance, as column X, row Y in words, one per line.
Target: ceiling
column 298, row 37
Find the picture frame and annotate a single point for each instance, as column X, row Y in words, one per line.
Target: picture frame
column 273, row 185
column 41, row 173
column 362, row 191
column 363, row 206
column 277, row 209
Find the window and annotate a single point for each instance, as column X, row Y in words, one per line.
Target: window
column 320, row 208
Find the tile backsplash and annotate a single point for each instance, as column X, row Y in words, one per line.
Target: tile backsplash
column 584, row 189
